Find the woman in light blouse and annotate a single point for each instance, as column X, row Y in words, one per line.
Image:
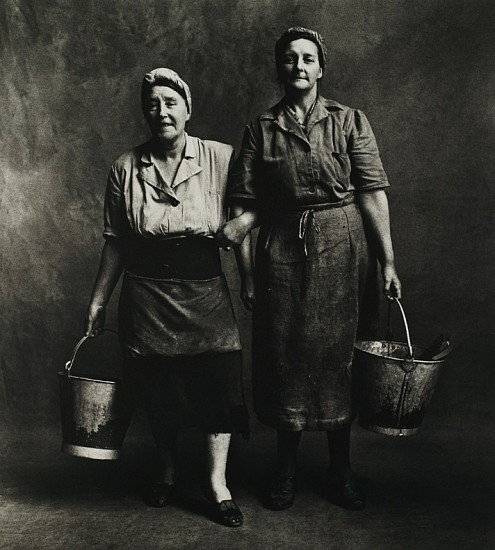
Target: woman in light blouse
column 164, row 202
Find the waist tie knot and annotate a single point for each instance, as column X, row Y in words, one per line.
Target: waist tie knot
column 306, row 217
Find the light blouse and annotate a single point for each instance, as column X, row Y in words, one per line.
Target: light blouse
column 139, row 200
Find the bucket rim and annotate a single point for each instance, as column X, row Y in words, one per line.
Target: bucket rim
column 422, row 361
column 72, row 376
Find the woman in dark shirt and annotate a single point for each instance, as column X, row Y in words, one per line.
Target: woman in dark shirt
column 309, row 173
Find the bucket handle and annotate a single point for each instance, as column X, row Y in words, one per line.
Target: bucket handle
column 68, row 365
column 408, row 363
column 406, row 327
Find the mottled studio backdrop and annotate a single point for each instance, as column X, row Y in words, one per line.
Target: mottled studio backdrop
column 70, row 72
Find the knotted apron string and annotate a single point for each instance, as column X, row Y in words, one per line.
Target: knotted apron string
column 306, row 216
column 308, row 213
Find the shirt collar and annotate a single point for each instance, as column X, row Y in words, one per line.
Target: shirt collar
column 323, row 108
column 302, row 123
column 190, row 152
column 279, row 114
column 187, row 168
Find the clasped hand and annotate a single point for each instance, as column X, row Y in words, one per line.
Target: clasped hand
column 232, row 233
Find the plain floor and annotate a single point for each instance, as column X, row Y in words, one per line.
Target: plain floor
column 433, row 491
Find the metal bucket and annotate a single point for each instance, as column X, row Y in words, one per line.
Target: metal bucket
column 95, row 414
column 393, row 388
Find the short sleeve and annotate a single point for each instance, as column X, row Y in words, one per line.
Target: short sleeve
column 244, row 171
column 367, row 172
column 115, row 216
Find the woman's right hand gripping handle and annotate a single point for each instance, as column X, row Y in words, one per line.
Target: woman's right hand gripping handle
column 94, row 322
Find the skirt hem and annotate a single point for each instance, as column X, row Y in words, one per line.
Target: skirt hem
column 304, row 425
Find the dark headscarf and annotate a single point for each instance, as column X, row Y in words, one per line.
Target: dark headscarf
column 295, row 33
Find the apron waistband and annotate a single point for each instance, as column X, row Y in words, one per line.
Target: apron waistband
column 308, row 216
column 326, row 205
column 191, row 258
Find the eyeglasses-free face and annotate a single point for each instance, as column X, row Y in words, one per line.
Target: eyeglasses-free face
column 300, row 67
column 166, row 112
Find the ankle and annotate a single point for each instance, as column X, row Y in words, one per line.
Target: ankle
column 166, row 476
column 286, row 468
column 216, row 485
column 220, row 491
column 341, row 470
column 285, row 473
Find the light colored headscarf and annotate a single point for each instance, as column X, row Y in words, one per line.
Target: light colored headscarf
column 166, row 77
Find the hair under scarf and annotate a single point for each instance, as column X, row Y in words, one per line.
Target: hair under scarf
column 165, row 77
column 295, row 33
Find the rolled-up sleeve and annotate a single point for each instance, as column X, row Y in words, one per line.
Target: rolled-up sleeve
column 367, row 172
column 245, row 170
column 115, row 215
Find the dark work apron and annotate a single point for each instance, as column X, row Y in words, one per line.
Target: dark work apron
column 175, row 300
column 311, row 268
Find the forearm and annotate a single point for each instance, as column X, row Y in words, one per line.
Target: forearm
column 246, row 214
column 375, row 212
column 244, row 257
column 111, row 267
column 243, row 252
column 243, row 218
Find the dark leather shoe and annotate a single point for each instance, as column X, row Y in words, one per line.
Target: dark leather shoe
column 282, row 493
column 160, row 494
column 345, row 492
column 228, row 513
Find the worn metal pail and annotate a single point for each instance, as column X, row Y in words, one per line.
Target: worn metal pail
column 393, row 389
column 95, row 414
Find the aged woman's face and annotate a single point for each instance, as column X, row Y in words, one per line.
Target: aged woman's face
column 166, row 113
column 300, row 67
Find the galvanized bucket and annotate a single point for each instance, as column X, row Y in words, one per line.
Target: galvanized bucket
column 95, row 413
column 393, row 388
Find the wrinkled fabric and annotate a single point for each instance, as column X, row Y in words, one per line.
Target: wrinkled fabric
column 161, row 311
column 174, row 317
column 305, row 326
column 311, row 260
column 201, row 390
column 139, row 200
column 281, row 166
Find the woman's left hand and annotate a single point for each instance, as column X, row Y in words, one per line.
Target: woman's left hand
column 391, row 282
column 248, row 293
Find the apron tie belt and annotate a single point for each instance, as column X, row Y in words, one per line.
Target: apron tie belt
column 306, row 216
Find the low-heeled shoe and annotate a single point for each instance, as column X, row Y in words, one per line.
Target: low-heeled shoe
column 160, row 494
column 228, row 513
column 282, row 493
column 345, row 492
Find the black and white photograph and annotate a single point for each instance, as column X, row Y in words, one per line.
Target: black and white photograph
column 247, row 257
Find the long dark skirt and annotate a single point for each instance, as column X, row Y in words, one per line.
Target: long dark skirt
column 311, row 274
column 200, row 391
column 180, row 336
